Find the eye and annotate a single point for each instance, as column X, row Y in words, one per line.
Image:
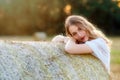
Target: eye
column 79, row 29
column 74, row 33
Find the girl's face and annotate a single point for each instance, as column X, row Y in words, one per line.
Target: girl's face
column 78, row 34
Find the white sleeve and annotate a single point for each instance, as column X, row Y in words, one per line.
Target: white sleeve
column 101, row 51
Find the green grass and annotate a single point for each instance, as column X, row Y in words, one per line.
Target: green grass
column 115, row 50
column 115, row 56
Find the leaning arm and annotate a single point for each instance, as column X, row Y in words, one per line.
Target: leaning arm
column 73, row 48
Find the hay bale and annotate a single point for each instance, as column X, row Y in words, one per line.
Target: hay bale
column 46, row 61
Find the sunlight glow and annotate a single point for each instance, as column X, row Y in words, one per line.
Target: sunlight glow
column 118, row 2
column 67, row 9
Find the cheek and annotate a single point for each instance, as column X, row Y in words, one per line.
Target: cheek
column 75, row 38
column 87, row 36
column 85, row 33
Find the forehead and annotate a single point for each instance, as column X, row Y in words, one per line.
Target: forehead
column 76, row 26
column 73, row 28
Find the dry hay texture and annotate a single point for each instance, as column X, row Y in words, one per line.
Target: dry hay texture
column 46, row 61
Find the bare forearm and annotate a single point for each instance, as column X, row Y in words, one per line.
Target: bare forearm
column 73, row 48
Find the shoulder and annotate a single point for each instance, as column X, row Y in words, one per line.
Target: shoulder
column 100, row 50
column 99, row 41
column 98, row 44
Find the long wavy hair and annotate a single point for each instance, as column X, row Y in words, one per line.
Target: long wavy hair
column 92, row 30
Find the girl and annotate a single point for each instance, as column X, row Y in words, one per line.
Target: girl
column 84, row 38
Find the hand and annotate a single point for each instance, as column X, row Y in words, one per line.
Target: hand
column 70, row 41
column 58, row 38
column 66, row 39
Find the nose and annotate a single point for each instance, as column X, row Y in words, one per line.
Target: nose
column 79, row 34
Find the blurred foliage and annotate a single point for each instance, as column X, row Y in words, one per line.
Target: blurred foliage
column 104, row 13
column 23, row 17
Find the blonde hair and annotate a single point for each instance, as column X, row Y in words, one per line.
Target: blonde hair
column 93, row 31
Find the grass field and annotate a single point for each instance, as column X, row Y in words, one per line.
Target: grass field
column 115, row 58
column 115, row 52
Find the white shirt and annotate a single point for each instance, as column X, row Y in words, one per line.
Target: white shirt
column 101, row 51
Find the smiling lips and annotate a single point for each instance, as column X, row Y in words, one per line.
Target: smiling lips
column 82, row 39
